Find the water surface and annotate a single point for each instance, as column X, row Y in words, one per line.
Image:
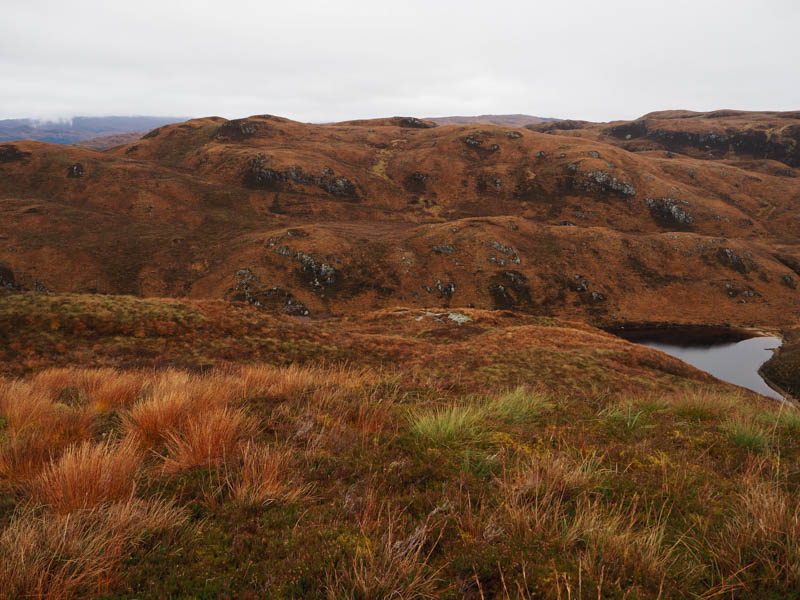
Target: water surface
column 722, row 353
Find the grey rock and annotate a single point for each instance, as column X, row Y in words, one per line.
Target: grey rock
column 669, row 211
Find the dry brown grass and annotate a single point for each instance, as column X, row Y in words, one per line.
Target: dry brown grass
column 37, row 429
column 761, row 536
column 88, row 475
column 211, row 438
column 264, row 477
column 57, row 557
column 287, row 382
column 388, row 564
column 111, row 389
column 171, row 398
column 549, row 501
column 151, row 420
column 22, row 457
column 24, row 406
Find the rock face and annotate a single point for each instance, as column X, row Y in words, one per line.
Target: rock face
column 669, row 212
column 249, row 289
column 7, row 277
column 510, row 290
column 10, row 153
column 717, row 133
column 605, row 182
column 732, row 260
column 414, row 123
column 258, row 176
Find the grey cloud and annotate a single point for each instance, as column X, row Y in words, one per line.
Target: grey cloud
column 320, row 61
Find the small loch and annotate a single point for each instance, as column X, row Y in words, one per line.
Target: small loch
column 730, row 355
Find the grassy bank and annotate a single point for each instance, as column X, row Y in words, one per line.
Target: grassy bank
column 332, row 482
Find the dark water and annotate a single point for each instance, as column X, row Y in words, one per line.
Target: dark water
column 725, row 354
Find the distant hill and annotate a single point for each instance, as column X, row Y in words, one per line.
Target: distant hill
column 501, row 120
column 78, row 129
column 101, row 142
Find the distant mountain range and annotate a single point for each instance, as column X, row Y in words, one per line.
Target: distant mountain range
column 501, row 120
column 78, row 129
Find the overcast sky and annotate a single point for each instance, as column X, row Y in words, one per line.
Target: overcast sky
column 315, row 60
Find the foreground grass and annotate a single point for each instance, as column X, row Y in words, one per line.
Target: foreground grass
column 329, row 482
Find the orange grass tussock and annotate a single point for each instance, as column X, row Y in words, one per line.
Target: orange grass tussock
column 210, row 438
column 88, row 475
column 56, row 557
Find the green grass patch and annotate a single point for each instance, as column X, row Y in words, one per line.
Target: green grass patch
column 786, row 421
column 520, row 405
column 452, row 425
column 747, row 435
column 627, row 417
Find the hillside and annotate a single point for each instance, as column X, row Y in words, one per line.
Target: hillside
column 400, row 453
column 103, row 142
column 336, row 219
column 267, row 359
column 758, row 141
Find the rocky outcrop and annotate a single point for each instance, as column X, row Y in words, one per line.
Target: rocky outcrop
column 415, row 123
column 441, row 289
column 732, row 260
column 7, row 279
column 75, row 171
column 416, row 182
column 249, row 289
column 257, row 176
column 10, row 153
column 239, row 129
column 509, row 290
column 669, row 212
column 599, row 181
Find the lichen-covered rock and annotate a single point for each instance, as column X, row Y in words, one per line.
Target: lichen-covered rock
column 732, row 260
column 514, row 135
column 238, row 129
column 507, row 250
column 669, row 212
column 459, row 318
column 604, row 181
column 443, row 249
column 75, row 171
column 338, row 186
column 441, row 289
column 473, row 141
column 317, row 274
column 258, row 176
column 789, row 281
column 249, row 289
column 597, row 297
